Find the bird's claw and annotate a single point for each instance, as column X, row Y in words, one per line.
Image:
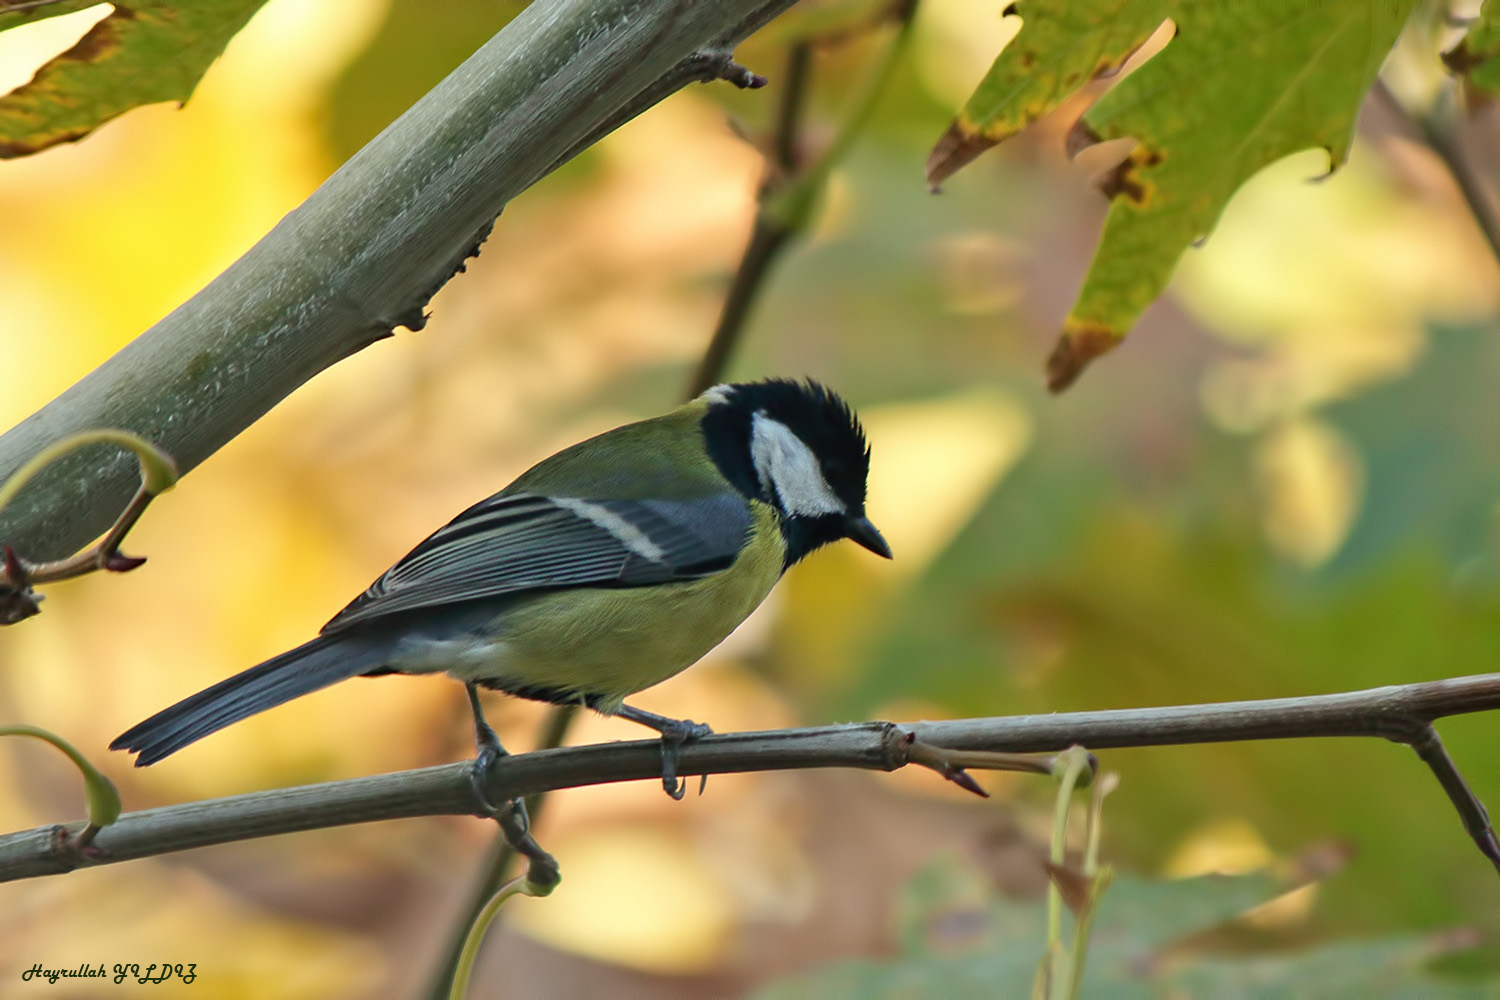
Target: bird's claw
column 479, row 772
column 489, row 751
column 672, row 739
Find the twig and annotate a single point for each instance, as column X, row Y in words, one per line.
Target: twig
column 1056, row 964
column 104, row 554
column 1476, row 819
column 712, row 62
column 951, row 763
column 1403, row 713
column 17, row 576
column 791, row 189
column 515, row 826
column 1439, row 125
column 11, row 6
column 463, row 969
column 786, row 139
column 767, row 239
column 770, row 233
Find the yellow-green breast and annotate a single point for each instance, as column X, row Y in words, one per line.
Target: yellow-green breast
column 612, row 642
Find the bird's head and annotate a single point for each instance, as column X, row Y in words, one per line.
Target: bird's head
column 799, row 447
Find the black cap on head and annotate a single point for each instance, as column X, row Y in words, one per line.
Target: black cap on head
column 800, row 447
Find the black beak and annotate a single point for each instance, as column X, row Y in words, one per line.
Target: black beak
column 859, row 529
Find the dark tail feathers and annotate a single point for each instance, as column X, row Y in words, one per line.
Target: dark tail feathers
column 311, row 666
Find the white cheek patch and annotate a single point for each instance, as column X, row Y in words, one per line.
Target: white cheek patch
column 789, row 470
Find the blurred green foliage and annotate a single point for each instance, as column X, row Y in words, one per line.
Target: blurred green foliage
column 1150, row 940
column 1426, row 442
column 1124, row 560
column 417, row 45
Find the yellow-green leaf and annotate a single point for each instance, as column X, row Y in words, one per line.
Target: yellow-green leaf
column 143, row 52
column 158, row 470
column 1477, row 56
column 14, row 13
column 1061, row 46
column 1239, row 86
column 100, row 794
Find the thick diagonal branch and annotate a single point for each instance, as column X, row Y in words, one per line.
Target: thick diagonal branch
column 368, row 249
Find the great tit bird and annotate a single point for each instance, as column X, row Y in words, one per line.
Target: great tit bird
column 602, row 570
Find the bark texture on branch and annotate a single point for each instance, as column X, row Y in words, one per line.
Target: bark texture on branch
column 368, row 249
column 1403, row 713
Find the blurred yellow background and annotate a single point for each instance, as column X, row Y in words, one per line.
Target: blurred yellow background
column 1216, row 512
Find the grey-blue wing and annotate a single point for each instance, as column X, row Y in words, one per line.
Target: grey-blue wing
column 514, row 543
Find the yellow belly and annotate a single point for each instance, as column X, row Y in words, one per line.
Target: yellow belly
column 611, row 643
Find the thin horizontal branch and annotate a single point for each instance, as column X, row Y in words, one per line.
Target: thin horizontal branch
column 1399, row 712
column 365, row 252
column 448, row 790
column 1403, row 713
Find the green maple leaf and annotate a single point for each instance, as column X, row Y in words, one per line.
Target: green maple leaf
column 1239, row 86
column 143, row 52
column 1477, row 56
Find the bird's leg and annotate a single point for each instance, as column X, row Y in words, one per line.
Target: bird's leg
column 674, row 733
column 489, row 749
column 512, row 817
